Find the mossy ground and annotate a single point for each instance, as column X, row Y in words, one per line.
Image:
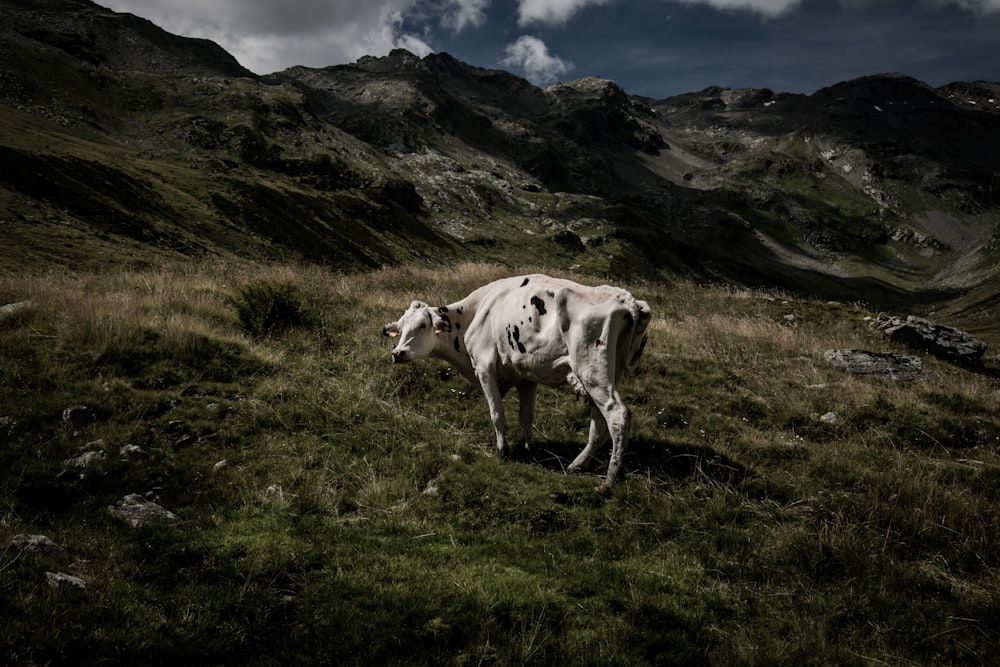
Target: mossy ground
column 360, row 516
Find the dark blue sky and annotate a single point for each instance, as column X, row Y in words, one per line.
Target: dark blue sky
column 649, row 47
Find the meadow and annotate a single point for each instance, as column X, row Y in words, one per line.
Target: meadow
column 337, row 509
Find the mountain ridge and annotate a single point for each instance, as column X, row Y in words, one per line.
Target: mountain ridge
column 882, row 187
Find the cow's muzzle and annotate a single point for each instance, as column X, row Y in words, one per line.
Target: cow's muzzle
column 399, row 357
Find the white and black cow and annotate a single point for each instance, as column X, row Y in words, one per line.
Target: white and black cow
column 530, row 330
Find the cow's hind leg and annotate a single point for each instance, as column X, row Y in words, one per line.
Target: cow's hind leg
column 618, row 426
column 598, row 436
column 616, row 416
column 526, row 410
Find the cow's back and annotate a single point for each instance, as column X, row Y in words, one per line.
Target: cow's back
column 541, row 328
column 516, row 329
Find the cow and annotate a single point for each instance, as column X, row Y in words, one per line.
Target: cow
column 529, row 330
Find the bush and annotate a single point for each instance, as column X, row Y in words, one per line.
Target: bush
column 265, row 308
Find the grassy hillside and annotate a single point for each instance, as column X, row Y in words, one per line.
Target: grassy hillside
column 334, row 508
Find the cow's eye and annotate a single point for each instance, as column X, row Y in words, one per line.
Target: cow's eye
column 423, row 326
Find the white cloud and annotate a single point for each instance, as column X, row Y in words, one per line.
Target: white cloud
column 268, row 36
column 978, row 6
column 772, row 8
column 531, row 56
column 458, row 14
column 764, row 7
column 383, row 36
column 551, row 11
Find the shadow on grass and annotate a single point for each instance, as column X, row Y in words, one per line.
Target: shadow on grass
column 656, row 458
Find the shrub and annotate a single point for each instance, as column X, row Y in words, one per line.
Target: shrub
column 264, row 308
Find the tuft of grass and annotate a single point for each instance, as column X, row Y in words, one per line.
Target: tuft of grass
column 265, row 308
column 335, row 507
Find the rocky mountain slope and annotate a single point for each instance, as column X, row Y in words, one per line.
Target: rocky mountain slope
column 120, row 142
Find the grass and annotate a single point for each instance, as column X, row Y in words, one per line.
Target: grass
column 338, row 509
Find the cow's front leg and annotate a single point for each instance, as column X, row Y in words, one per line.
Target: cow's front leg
column 526, row 410
column 491, row 389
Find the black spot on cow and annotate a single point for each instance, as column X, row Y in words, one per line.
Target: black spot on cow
column 443, row 309
column 525, row 282
column 538, row 304
column 459, row 310
column 517, row 339
column 458, row 348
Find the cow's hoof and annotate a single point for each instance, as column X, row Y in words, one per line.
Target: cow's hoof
column 604, row 490
column 572, row 470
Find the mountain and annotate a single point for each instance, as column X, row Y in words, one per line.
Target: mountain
column 123, row 143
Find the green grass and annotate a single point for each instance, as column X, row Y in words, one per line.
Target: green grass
column 360, row 516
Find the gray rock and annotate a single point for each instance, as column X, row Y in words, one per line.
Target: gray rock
column 62, row 580
column 887, row 364
column 85, row 459
column 34, row 544
column 11, row 309
column 138, row 511
column 937, row 339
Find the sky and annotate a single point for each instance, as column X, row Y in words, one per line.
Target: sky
column 655, row 48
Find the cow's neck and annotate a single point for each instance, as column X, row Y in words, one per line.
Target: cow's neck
column 460, row 314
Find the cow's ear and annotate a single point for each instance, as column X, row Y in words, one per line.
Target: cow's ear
column 417, row 304
column 391, row 330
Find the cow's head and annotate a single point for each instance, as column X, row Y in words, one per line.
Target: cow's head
column 417, row 331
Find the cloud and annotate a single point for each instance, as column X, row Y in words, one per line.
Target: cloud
column 531, row 56
column 459, row 14
column 764, row 7
column 551, row 11
column 772, row 8
column 267, row 36
column 977, row 6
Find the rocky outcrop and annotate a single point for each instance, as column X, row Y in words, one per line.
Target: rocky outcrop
column 886, row 364
column 10, row 310
column 63, row 580
column 27, row 543
column 937, row 339
column 138, row 511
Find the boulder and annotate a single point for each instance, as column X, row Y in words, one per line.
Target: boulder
column 63, row 580
column 34, row 544
column 10, row 310
column 84, row 460
column 937, row 339
column 887, row 364
column 138, row 511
